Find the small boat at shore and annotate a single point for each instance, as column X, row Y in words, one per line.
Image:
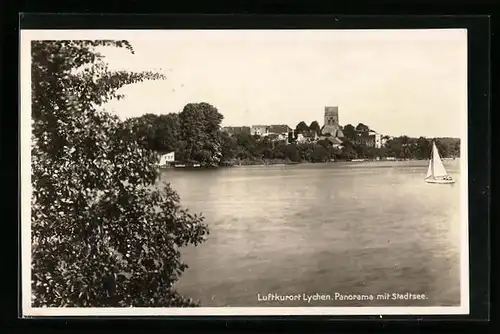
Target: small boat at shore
column 436, row 173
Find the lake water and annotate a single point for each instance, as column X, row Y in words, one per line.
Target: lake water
column 350, row 228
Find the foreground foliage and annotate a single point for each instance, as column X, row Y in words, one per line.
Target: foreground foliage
column 103, row 233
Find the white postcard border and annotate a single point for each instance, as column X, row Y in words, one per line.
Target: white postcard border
column 26, row 36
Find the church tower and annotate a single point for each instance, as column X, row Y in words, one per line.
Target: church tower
column 332, row 116
column 331, row 126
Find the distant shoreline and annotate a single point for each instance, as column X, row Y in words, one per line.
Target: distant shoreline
column 329, row 162
column 278, row 163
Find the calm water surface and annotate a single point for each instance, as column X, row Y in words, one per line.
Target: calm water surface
column 351, row 228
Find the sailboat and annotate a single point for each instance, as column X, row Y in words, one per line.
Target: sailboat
column 436, row 173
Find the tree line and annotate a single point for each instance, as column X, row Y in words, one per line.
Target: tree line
column 195, row 135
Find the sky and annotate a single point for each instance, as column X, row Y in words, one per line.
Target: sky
column 398, row 82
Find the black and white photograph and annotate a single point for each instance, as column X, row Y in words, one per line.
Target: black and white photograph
column 244, row 172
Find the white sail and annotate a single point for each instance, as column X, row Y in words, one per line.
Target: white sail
column 429, row 170
column 436, row 173
column 438, row 169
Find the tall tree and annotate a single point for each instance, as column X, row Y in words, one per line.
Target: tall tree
column 144, row 128
column 349, row 132
column 301, row 127
column 362, row 127
column 229, row 147
column 167, row 134
column 200, row 128
column 456, row 148
column 423, row 148
column 315, row 127
column 103, row 234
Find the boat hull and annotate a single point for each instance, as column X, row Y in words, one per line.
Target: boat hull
column 439, row 181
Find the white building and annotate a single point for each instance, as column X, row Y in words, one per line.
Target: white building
column 378, row 140
column 166, row 158
column 384, row 140
column 259, row 130
column 301, row 138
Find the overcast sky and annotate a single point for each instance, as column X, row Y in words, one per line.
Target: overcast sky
column 397, row 82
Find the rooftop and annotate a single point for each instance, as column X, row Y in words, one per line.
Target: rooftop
column 336, row 140
column 280, row 128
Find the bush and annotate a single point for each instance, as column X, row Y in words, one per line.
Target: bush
column 103, row 234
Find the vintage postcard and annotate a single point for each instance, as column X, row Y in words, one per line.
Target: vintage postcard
column 244, row 172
